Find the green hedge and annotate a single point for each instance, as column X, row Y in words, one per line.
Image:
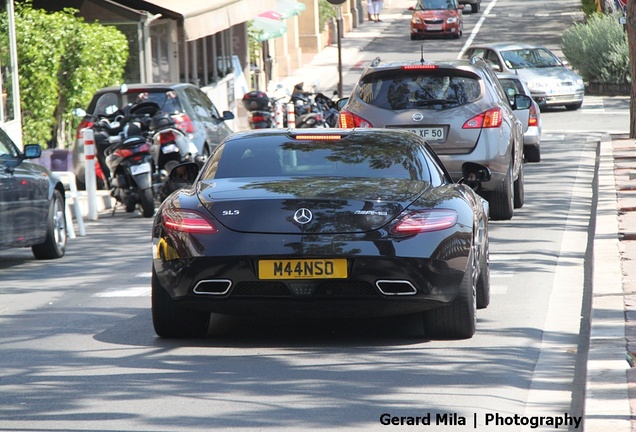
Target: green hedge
column 62, row 60
column 598, row 49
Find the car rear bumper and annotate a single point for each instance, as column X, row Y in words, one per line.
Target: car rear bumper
column 532, row 136
column 374, row 286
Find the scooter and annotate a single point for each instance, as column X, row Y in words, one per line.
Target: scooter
column 131, row 165
column 128, row 158
column 170, row 147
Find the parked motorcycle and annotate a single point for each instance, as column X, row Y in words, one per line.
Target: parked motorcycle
column 127, row 158
column 329, row 109
column 308, row 114
column 170, row 147
column 265, row 111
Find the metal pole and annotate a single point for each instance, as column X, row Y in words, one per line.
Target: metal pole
column 339, row 24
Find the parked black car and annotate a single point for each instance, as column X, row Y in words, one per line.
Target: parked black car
column 31, row 202
column 190, row 107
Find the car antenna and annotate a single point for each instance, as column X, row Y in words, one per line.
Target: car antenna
column 422, row 54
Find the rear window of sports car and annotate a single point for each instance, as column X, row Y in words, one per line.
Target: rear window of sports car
column 252, row 158
column 436, row 89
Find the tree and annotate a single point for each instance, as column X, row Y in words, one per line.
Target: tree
column 61, row 62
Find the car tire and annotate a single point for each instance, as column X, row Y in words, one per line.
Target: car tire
column 474, row 8
column 532, row 153
column 413, row 37
column 458, row 319
column 483, row 282
column 519, row 188
column 573, row 107
column 173, row 321
column 54, row 245
column 502, row 199
column 147, row 202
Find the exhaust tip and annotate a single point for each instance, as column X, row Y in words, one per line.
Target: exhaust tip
column 396, row 287
column 213, row 287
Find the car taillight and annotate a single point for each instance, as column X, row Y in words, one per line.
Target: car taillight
column 489, row 119
column 183, row 122
column 348, row 119
column 426, row 221
column 83, row 125
column 166, row 137
column 533, row 119
column 187, row 221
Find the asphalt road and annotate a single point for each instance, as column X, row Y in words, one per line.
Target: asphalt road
column 77, row 349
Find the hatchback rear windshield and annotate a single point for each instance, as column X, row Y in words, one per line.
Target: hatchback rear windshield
column 435, row 89
column 168, row 100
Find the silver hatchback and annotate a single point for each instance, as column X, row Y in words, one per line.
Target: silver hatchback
column 459, row 107
column 551, row 81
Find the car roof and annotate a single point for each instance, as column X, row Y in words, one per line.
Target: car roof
column 145, row 86
column 507, row 46
column 509, row 76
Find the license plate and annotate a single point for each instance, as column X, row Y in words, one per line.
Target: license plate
column 561, row 90
column 433, row 27
column 431, row 134
column 139, row 169
column 303, row 269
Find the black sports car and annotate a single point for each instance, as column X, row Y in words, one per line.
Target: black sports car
column 356, row 222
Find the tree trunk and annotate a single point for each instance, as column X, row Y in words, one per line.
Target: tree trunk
column 631, row 40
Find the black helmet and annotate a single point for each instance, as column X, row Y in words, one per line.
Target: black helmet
column 161, row 120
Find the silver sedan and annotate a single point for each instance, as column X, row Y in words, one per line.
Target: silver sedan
column 551, row 81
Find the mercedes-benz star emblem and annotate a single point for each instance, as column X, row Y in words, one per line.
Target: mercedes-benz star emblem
column 418, row 117
column 303, row 216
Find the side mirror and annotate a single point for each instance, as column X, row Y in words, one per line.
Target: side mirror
column 228, row 115
column 184, row 174
column 522, row 102
column 79, row 112
column 474, row 174
column 32, row 151
column 341, row 103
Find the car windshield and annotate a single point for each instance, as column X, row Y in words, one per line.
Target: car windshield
column 530, row 58
column 435, row 4
column 353, row 157
column 434, row 89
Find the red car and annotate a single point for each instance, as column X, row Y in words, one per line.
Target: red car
column 437, row 18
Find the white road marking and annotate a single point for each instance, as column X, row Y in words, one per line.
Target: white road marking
column 135, row 291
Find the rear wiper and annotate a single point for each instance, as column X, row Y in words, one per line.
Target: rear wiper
column 435, row 102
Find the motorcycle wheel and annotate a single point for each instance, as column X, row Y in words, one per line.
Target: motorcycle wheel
column 147, row 203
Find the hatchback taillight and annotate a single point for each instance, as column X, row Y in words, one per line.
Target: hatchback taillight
column 348, row 119
column 488, row 119
column 183, row 122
